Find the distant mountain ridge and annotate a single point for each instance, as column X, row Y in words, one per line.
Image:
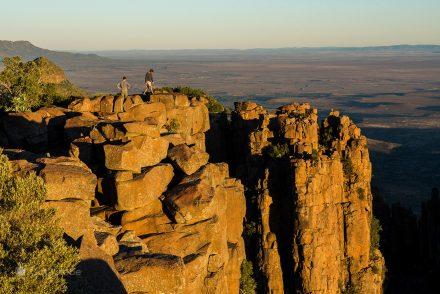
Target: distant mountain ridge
column 28, row 51
column 141, row 53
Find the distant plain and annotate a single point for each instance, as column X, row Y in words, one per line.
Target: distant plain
column 393, row 95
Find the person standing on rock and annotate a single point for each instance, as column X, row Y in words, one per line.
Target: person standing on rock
column 149, row 82
column 123, row 86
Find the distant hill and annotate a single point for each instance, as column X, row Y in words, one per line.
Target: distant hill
column 56, row 82
column 28, row 51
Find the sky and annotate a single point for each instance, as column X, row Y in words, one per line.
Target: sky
column 208, row 24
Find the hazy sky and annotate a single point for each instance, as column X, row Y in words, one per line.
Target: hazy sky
column 180, row 24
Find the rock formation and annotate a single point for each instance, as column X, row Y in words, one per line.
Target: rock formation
column 156, row 210
column 132, row 188
column 308, row 196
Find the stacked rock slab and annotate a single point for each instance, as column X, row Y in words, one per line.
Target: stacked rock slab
column 313, row 204
column 138, row 194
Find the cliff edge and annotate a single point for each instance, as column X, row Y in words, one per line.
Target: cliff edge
column 154, row 193
column 309, row 224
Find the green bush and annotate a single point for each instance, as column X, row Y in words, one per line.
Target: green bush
column 213, row 105
column 250, row 229
column 190, row 92
column 173, row 126
column 60, row 94
column 34, row 257
column 20, row 88
column 247, row 281
column 166, row 89
column 277, row 151
column 375, row 229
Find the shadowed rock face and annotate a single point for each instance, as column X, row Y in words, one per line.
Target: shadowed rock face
column 410, row 244
column 309, row 197
column 138, row 193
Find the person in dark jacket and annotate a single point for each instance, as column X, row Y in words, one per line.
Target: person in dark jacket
column 149, row 82
column 124, row 86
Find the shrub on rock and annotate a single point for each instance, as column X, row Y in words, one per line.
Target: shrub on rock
column 247, row 282
column 33, row 254
column 213, row 105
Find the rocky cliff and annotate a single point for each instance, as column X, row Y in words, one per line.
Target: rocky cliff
column 153, row 209
column 308, row 196
column 133, row 189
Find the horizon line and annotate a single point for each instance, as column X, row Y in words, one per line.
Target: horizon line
column 257, row 48
column 237, row 49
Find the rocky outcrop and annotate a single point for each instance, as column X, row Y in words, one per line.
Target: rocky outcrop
column 309, row 199
column 133, row 187
column 134, row 191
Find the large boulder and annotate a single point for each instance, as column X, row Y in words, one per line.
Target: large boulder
column 182, row 118
column 149, row 224
column 145, row 188
column 201, row 119
column 151, row 273
column 73, row 217
column 67, row 178
column 86, row 105
column 186, row 239
column 154, row 112
column 142, row 151
column 170, row 100
column 153, row 208
column 166, row 99
column 107, row 242
column 194, row 199
column 142, row 128
column 188, row 159
column 122, row 157
column 106, row 105
column 191, row 120
column 132, row 101
column 151, row 150
column 191, row 202
column 107, row 131
column 79, row 126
